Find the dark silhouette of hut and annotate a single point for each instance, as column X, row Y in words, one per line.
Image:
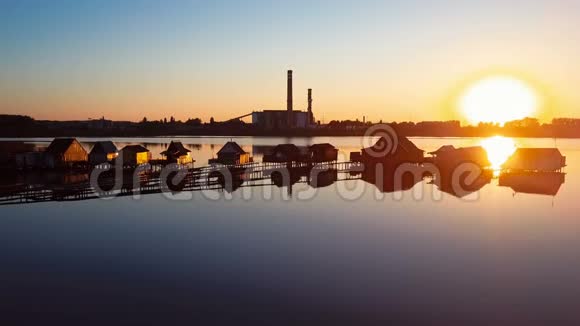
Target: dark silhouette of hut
column 9, row 151
column 65, row 152
column 320, row 178
column 319, row 153
column 544, row 183
column 284, row 153
column 460, row 183
column 388, row 181
column 177, row 153
column 285, row 178
column 30, row 160
column 133, row 155
column 228, row 178
column 103, row 152
column 536, row 160
column 231, row 154
column 393, row 154
column 449, row 156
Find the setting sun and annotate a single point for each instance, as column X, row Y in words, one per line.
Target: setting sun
column 498, row 149
column 498, row 100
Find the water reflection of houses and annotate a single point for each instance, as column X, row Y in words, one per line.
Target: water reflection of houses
column 321, row 177
column 388, row 180
column 460, row 171
column 228, row 178
column 547, row 183
column 462, row 181
column 390, row 167
column 534, row 171
column 315, row 176
column 286, row 178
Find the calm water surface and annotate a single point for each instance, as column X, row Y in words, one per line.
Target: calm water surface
column 495, row 256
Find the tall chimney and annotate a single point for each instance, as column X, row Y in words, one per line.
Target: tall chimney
column 289, row 106
column 310, row 116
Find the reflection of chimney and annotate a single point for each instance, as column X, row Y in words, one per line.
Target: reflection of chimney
column 310, row 116
column 289, row 106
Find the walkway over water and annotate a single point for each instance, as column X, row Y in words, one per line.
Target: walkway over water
column 154, row 180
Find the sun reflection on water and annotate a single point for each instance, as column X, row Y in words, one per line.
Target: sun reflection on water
column 499, row 149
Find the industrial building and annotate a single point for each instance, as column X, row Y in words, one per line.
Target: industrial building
column 289, row 118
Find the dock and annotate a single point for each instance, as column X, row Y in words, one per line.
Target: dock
column 190, row 180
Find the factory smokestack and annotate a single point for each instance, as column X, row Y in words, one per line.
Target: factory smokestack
column 310, row 116
column 289, row 107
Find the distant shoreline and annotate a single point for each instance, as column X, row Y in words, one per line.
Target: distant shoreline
column 4, row 137
column 26, row 127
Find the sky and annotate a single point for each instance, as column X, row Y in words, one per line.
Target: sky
column 400, row 60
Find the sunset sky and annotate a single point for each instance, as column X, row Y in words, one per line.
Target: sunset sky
column 390, row 60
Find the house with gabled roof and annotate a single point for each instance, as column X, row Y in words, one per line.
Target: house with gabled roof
column 391, row 152
column 103, row 152
column 231, row 154
column 536, row 160
column 449, row 156
column 65, row 152
column 177, row 153
column 284, row 153
column 133, row 155
column 319, row 153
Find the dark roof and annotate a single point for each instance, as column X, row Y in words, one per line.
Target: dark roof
column 175, row 148
column 531, row 153
column 231, row 147
column 60, row 145
column 462, row 152
column 134, row 149
column 323, row 146
column 536, row 158
column 104, row 147
column 443, row 149
column 286, row 148
column 15, row 147
column 402, row 143
column 408, row 145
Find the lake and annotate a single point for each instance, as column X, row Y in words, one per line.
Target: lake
column 337, row 254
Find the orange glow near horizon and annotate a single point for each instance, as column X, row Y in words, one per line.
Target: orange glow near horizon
column 499, row 149
column 498, row 99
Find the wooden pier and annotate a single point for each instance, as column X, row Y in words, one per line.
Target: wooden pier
column 154, row 179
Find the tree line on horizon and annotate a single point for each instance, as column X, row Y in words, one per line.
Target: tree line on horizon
column 22, row 125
